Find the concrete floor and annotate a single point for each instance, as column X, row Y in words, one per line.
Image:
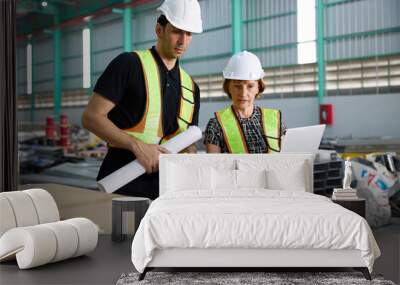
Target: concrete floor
column 103, row 266
column 111, row 259
column 388, row 239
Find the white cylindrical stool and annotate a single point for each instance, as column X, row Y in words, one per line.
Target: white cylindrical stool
column 120, row 205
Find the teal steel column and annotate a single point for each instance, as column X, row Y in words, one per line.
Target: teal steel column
column 127, row 27
column 320, row 51
column 57, row 68
column 237, row 25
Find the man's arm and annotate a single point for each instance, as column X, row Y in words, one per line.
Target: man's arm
column 95, row 119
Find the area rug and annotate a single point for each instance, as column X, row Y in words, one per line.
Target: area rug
column 243, row 278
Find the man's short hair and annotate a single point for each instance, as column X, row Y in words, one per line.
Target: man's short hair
column 162, row 20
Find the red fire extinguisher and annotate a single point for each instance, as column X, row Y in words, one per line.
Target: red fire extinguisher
column 326, row 114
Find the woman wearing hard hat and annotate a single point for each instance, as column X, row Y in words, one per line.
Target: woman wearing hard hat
column 244, row 127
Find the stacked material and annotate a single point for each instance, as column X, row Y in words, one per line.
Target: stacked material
column 31, row 231
column 344, row 194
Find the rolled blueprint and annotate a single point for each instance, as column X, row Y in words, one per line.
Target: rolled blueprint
column 134, row 169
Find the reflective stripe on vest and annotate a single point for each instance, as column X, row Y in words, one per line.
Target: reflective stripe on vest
column 149, row 129
column 272, row 128
column 233, row 134
column 186, row 105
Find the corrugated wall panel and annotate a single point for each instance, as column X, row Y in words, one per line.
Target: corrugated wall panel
column 107, row 38
column 107, row 35
column 269, row 30
column 143, row 31
column 72, row 42
column 46, row 86
column 72, row 67
column 213, row 46
column 72, row 59
column 101, row 60
column 268, row 24
column 144, row 46
column 215, row 13
column 43, row 64
column 209, row 51
column 43, row 49
column 209, row 44
column 264, row 8
column 205, row 67
column 366, row 46
column 72, row 73
column 21, row 81
column 74, row 83
column 280, row 57
column 43, row 77
column 374, row 20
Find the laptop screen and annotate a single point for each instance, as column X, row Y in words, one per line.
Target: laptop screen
column 304, row 139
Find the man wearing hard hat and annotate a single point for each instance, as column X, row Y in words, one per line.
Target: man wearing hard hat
column 144, row 98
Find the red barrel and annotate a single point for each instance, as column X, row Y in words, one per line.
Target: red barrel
column 64, row 141
column 64, row 131
column 50, row 128
column 63, row 120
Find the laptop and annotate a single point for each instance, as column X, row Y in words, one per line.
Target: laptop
column 304, row 139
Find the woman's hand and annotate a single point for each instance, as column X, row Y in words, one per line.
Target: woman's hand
column 212, row 148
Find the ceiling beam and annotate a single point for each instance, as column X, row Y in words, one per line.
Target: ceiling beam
column 26, row 6
column 67, row 19
column 63, row 2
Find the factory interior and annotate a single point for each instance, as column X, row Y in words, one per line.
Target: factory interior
column 334, row 63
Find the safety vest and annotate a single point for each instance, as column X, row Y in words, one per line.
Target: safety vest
column 149, row 129
column 233, row 133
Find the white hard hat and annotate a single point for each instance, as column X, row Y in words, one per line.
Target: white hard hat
column 243, row 65
column 183, row 14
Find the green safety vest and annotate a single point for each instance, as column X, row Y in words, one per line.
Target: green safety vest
column 149, row 129
column 233, row 133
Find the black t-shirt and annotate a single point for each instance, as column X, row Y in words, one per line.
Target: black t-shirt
column 123, row 83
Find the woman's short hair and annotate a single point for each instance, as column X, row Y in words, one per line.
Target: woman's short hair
column 261, row 87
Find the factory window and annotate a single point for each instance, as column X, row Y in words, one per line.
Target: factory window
column 86, row 57
column 29, row 69
column 306, row 48
column 359, row 76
